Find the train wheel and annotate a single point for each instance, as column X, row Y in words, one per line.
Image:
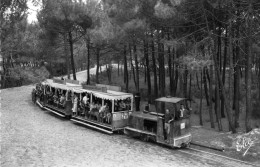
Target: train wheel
column 144, row 137
column 184, row 145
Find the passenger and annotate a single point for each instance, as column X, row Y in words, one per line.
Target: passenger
column 167, row 120
column 108, row 115
column 103, row 108
column 75, row 105
column 182, row 111
column 98, row 106
column 85, row 99
column 62, row 99
column 92, row 106
column 122, row 105
column 116, row 106
column 55, row 99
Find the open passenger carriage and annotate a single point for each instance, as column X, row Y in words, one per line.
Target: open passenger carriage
column 94, row 106
column 55, row 96
column 169, row 127
column 102, row 109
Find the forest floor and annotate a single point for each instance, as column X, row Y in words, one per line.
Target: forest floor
column 241, row 145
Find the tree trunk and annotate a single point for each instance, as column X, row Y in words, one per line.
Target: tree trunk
column 224, row 74
column 145, row 71
column 217, row 106
column 136, row 68
column 66, row 55
column 125, row 70
column 175, row 71
column 3, row 73
column 227, row 107
column 249, row 72
column 170, row 67
column 231, row 70
column 71, row 56
column 185, row 82
column 181, row 83
column 259, row 78
column 197, row 78
column 132, row 66
column 236, row 90
column 190, row 85
column 161, row 67
column 97, row 69
column 88, row 65
column 205, row 86
column 146, row 54
column 201, row 76
column 210, row 97
column 154, row 69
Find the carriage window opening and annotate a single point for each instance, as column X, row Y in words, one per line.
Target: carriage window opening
column 150, row 126
column 108, row 103
column 123, row 105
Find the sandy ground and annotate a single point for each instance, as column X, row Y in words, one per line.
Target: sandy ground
column 33, row 137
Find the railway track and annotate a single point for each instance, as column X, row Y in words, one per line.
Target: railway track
column 220, row 159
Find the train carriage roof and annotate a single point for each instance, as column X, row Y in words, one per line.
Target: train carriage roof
column 170, row 99
column 109, row 95
column 61, row 86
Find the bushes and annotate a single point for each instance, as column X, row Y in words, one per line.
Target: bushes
column 19, row 76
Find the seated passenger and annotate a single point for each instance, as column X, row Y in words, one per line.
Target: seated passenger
column 85, row 99
column 62, row 99
column 116, row 106
column 122, row 105
column 92, row 106
column 55, row 97
column 103, row 108
column 98, row 106
column 75, row 105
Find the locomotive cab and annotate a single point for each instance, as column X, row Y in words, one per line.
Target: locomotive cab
column 169, row 125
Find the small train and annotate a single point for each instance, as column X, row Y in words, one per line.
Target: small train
column 110, row 110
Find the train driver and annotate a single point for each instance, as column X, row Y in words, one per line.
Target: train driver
column 167, row 120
